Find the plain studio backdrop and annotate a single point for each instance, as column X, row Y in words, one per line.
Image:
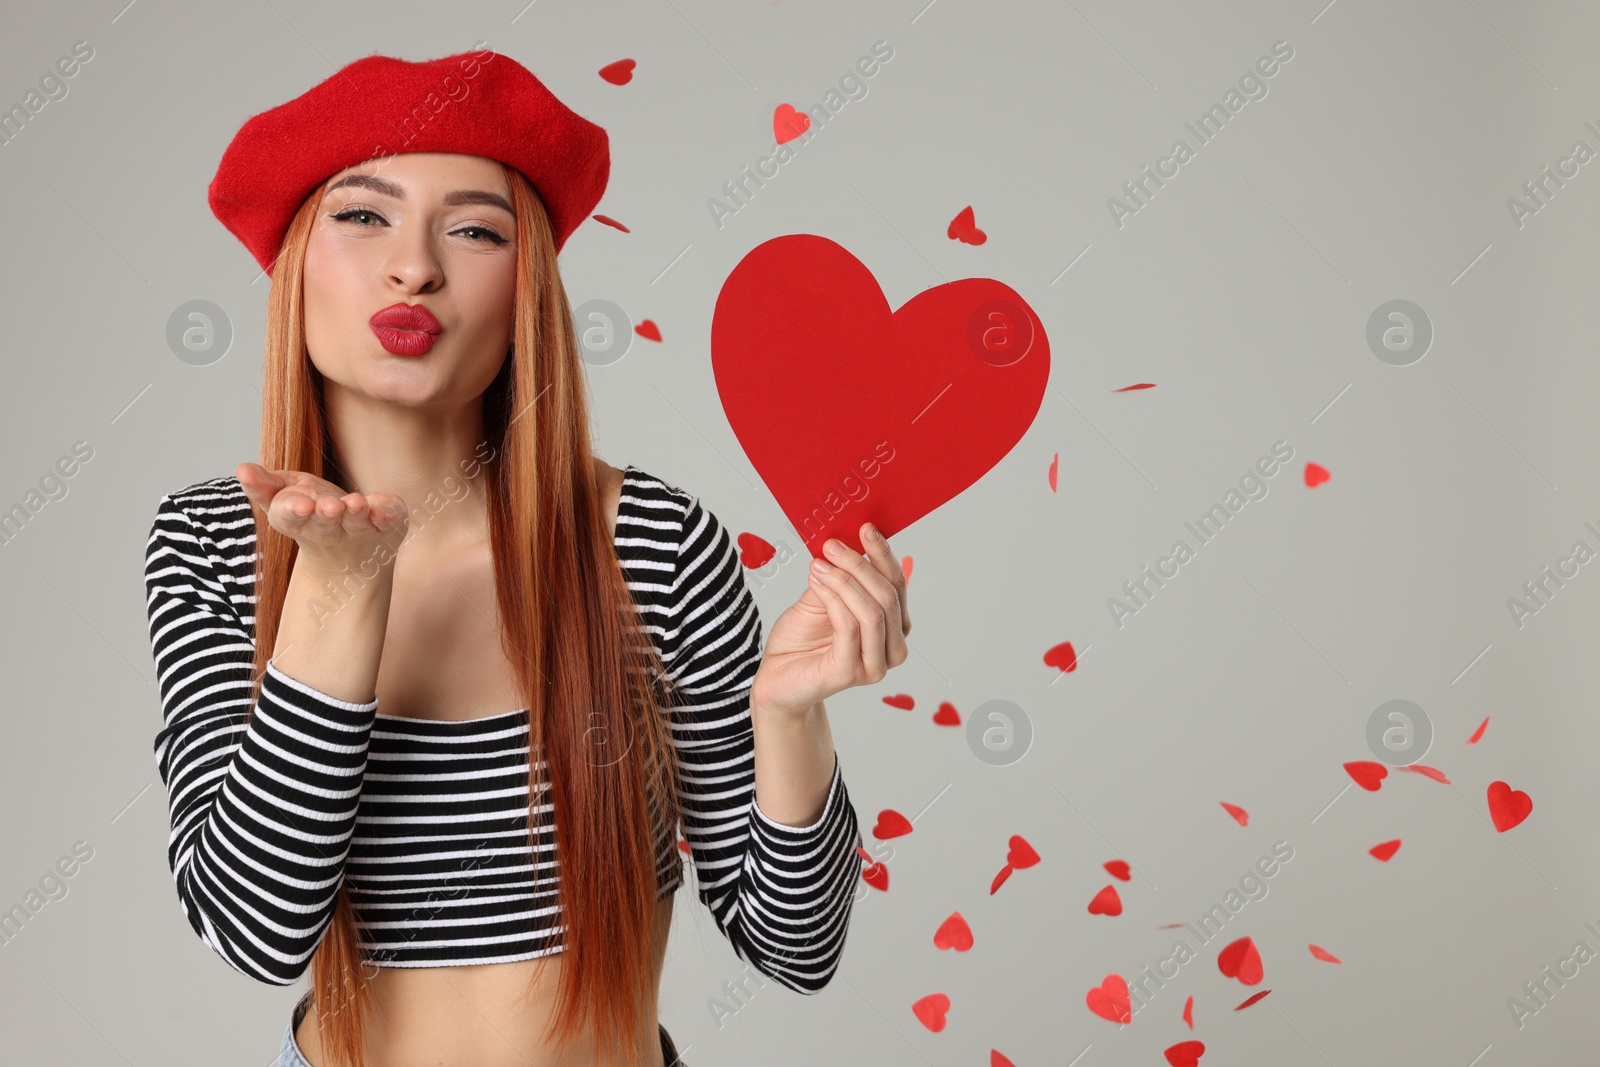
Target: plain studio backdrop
column 1380, row 261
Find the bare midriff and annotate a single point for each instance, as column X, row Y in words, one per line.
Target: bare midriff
column 487, row 1015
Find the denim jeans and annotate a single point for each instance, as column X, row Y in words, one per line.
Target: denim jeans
column 289, row 1055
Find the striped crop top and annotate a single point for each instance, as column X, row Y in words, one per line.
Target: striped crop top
column 427, row 819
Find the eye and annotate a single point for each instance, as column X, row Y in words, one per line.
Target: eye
column 492, row 236
column 350, row 213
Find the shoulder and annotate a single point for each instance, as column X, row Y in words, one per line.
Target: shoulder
column 216, row 506
column 657, row 514
column 206, row 528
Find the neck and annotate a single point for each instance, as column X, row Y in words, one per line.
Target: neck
column 431, row 456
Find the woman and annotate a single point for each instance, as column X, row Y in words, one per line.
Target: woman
column 430, row 534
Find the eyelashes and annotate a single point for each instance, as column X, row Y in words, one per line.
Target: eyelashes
column 350, row 213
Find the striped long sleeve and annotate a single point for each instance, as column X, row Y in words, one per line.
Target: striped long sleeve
column 262, row 811
column 781, row 894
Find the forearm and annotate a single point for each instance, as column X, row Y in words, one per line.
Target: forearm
column 794, row 762
column 330, row 635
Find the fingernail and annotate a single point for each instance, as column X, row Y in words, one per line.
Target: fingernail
column 821, row 566
column 873, row 534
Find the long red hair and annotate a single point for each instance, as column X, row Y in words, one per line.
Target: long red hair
column 569, row 628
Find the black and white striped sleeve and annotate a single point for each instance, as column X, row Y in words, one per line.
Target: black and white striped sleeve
column 781, row 894
column 262, row 811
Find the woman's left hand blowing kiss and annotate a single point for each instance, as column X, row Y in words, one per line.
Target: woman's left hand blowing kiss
column 848, row 628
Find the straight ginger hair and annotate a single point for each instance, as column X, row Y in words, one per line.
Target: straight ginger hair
column 568, row 625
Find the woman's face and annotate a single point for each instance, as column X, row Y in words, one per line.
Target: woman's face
column 434, row 229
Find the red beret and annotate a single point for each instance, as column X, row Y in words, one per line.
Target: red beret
column 478, row 103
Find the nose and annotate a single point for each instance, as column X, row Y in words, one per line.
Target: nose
column 414, row 265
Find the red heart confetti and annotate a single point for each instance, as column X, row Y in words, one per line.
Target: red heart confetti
column 1021, row 854
column 953, row 933
column 877, row 876
column 997, row 1060
column 947, row 715
column 930, row 1010
column 1109, row 1000
column 648, row 330
column 1251, row 999
column 755, row 552
column 1169, row 926
column 1242, row 960
column 1476, row 734
column 1368, row 774
column 903, row 701
column 618, row 73
column 787, row 123
column 1055, row 462
column 1000, row 879
column 1239, row 814
column 1130, row 388
column 1106, row 902
column 609, row 221
column 1323, row 954
column 964, row 228
column 891, row 824
column 905, row 566
column 1427, row 772
column 1316, row 475
column 1186, row 1053
column 1507, row 806
column 1062, row 657
column 1118, row 869
column 683, row 846
column 1384, row 851
column 1188, row 1012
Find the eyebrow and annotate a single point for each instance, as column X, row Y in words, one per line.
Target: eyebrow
column 452, row 199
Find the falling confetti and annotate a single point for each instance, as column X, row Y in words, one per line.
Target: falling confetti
column 1507, row 806
column 618, row 73
column 963, row 228
column 1367, row 774
column 891, row 824
column 1242, row 960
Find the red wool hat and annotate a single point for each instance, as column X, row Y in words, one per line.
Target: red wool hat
column 478, row 103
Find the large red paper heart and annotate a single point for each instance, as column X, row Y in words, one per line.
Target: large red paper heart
column 931, row 1009
column 1507, row 806
column 1241, row 960
column 852, row 412
column 1109, row 1000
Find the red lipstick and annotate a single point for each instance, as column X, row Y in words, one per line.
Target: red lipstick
column 406, row 329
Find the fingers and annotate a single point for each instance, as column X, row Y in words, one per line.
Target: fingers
column 889, row 566
column 846, row 646
column 872, row 605
column 881, row 579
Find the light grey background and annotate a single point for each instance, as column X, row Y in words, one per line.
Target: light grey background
column 1377, row 167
